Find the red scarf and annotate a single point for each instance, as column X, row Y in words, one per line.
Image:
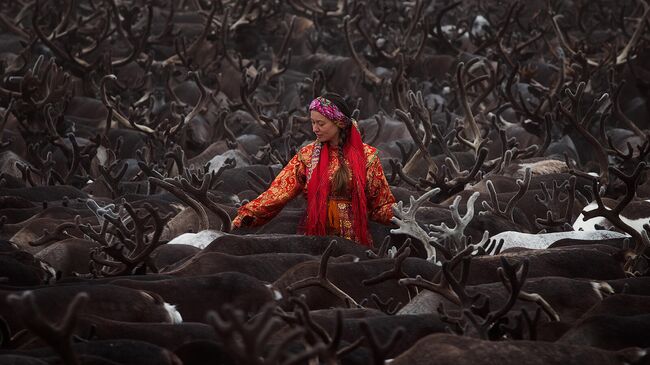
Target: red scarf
column 318, row 189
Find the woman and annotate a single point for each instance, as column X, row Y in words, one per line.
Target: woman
column 340, row 196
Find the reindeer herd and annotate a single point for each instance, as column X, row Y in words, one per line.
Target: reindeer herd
column 514, row 135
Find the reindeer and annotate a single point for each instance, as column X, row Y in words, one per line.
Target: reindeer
column 130, row 133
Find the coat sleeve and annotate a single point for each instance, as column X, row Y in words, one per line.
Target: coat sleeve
column 286, row 186
column 380, row 198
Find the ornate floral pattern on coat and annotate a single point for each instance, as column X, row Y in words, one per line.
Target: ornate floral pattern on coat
column 291, row 181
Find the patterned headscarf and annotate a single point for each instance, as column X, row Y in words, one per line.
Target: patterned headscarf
column 318, row 188
column 330, row 111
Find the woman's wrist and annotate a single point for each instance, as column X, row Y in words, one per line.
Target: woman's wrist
column 243, row 221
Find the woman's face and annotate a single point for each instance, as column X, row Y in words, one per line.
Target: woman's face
column 324, row 129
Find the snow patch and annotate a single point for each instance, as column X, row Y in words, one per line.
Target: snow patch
column 542, row 241
column 199, row 240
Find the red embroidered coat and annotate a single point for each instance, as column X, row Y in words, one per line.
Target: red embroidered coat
column 291, row 181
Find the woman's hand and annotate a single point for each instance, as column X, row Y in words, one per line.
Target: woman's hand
column 247, row 221
column 243, row 221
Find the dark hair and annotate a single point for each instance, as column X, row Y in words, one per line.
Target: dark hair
column 342, row 175
column 340, row 103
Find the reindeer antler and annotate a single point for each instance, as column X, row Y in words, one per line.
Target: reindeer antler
column 322, row 280
column 613, row 214
column 622, row 57
column 59, row 337
column 472, row 131
column 246, row 341
column 582, row 121
column 507, row 211
column 453, row 240
column 405, row 219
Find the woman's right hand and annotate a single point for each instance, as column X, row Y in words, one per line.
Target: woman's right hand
column 242, row 221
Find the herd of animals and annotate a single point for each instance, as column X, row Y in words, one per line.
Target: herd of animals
column 514, row 135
